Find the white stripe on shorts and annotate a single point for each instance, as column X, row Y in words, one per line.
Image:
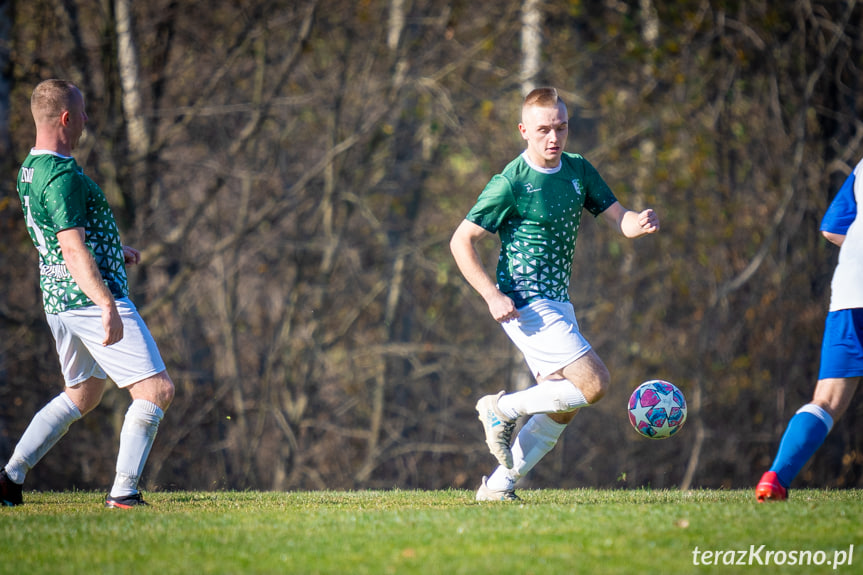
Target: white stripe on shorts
column 547, row 335
column 79, row 334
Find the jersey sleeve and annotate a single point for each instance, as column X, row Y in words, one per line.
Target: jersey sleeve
column 599, row 195
column 65, row 201
column 843, row 209
column 495, row 205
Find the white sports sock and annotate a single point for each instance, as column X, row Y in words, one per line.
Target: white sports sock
column 46, row 428
column 550, row 396
column 538, row 436
column 136, row 438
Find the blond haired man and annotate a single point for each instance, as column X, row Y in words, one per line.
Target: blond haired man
column 97, row 329
column 535, row 207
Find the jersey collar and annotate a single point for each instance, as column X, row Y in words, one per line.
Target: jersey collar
column 540, row 169
column 35, row 152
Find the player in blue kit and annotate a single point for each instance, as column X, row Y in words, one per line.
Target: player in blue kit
column 535, row 207
column 841, row 347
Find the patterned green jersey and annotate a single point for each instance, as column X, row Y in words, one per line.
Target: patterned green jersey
column 56, row 195
column 537, row 213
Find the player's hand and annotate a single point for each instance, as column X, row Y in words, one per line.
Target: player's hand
column 648, row 221
column 131, row 256
column 113, row 325
column 502, row 308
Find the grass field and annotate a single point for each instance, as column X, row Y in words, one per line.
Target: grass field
column 430, row 532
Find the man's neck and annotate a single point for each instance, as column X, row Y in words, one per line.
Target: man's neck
column 52, row 143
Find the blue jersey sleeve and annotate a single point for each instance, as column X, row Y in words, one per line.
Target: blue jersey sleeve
column 842, row 211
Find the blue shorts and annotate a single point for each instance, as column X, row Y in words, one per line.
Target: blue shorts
column 842, row 347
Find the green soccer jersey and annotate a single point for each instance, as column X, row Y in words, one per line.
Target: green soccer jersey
column 537, row 213
column 56, row 195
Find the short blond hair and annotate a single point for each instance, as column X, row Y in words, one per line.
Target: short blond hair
column 51, row 98
column 546, row 97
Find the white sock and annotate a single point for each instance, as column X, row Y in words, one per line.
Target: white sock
column 46, row 428
column 550, row 396
column 136, row 438
column 538, row 436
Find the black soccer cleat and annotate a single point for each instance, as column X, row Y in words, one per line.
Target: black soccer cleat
column 125, row 501
column 10, row 492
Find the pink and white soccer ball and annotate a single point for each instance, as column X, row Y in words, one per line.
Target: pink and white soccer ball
column 657, row 409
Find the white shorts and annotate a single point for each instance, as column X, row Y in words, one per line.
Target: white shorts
column 547, row 334
column 79, row 334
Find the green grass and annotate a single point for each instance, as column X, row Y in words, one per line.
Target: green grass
column 429, row 532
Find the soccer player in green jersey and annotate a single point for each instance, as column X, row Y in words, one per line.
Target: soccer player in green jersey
column 98, row 331
column 535, row 207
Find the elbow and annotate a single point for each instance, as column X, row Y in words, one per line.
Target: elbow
column 454, row 246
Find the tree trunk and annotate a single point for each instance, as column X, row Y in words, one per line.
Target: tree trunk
column 5, row 85
column 531, row 44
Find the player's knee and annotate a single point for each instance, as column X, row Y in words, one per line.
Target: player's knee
column 596, row 388
column 595, row 394
column 166, row 392
column 158, row 389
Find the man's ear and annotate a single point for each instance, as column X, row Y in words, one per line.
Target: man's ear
column 64, row 118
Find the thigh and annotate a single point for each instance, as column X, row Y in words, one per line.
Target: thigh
column 589, row 366
column 132, row 359
column 589, row 374
column 76, row 362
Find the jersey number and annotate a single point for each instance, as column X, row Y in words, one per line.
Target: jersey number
column 36, row 231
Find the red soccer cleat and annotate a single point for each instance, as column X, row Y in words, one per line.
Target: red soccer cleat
column 125, row 501
column 769, row 488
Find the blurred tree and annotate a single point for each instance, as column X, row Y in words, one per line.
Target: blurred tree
column 293, row 172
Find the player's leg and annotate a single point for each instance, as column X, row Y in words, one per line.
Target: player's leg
column 150, row 398
column 840, row 371
column 569, row 372
column 88, row 395
column 535, row 439
column 85, row 383
column 542, row 431
column 556, row 397
column 135, row 364
column 46, row 428
column 805, row 433
column 581, row 383
column 547, row 334
column 835, row 395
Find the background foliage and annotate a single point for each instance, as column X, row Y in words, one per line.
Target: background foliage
column 292, row 171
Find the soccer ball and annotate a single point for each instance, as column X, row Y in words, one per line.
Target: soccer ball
column 657, row 409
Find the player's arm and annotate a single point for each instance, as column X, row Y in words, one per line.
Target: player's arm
column 86, row 274
column 833, row 238
column 629, row 223
column 463, row 248
column 841, row 213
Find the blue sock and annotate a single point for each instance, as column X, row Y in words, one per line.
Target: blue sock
column 805, row 434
